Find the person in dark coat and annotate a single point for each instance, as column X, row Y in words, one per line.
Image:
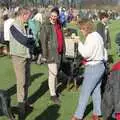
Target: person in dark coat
column 102, row 29
column 53, row 45
column 117, row 41
column 111, row 95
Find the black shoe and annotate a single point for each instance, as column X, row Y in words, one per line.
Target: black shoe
column 21, row 114
column 55, row 99
column 28, row 106
column 10, row 115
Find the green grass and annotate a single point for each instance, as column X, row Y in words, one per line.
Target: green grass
column 114, row 29
column 39, row 96
column 44, row 109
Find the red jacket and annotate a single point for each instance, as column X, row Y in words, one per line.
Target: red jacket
column 116, row 66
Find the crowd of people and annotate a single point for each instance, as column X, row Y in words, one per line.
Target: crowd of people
column 33, row 32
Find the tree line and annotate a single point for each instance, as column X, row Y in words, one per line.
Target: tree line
column 65, row 3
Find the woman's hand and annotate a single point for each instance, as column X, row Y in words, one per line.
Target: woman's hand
column 77, row 39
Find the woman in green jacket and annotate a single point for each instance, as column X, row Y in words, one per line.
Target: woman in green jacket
column 52, row 41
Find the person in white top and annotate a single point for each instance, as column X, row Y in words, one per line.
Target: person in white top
column 8, row 20
column 93, row 51
column 7, row 25
column 103, row 29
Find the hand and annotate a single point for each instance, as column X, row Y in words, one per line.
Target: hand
column 77, row 39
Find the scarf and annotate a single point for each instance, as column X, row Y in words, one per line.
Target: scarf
column 59, row 34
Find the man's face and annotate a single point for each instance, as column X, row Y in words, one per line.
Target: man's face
column 105, row 19
column 53, row 17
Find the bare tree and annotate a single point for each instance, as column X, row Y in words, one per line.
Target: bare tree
column 55, row 2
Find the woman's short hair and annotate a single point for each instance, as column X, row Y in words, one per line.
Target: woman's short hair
column 87, row 25
column 23, row 11
column 56, row 10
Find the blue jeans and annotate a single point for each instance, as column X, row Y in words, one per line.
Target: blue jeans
column 91, row 86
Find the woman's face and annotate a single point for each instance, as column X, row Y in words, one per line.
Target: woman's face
column 84, row 32
column 26, row 16
column 53, row 17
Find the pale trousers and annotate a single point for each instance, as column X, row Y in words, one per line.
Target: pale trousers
column 52, row 79
column 22, row 71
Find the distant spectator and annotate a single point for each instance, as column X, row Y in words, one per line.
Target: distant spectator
column 70, row 15
column 34, row 26
column 7, row 24
column 102, row 29
column 117, row 41
column 63, row 17
column 1, row 26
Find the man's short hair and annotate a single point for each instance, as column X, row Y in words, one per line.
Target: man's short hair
column 103, row 15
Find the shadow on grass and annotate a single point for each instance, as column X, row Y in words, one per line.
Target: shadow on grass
column 51, row 113
column 36, row 95
column 35, row 76
column 12, row 90
column 88, row 109
column 40, row 91
column 16, row 110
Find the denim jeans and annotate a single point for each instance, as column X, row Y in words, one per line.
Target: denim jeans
column 91, row 86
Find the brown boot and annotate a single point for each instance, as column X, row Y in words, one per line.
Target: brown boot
column 95, row 117
column 55, row 99
column 21, row 114
column 74, row 118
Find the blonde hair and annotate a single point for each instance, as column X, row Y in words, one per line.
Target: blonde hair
column 23, row 11
column 87, row 25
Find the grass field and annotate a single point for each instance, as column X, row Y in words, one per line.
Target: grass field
column 44, row 109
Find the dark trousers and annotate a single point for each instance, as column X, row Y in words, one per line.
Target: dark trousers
column 111, row 95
